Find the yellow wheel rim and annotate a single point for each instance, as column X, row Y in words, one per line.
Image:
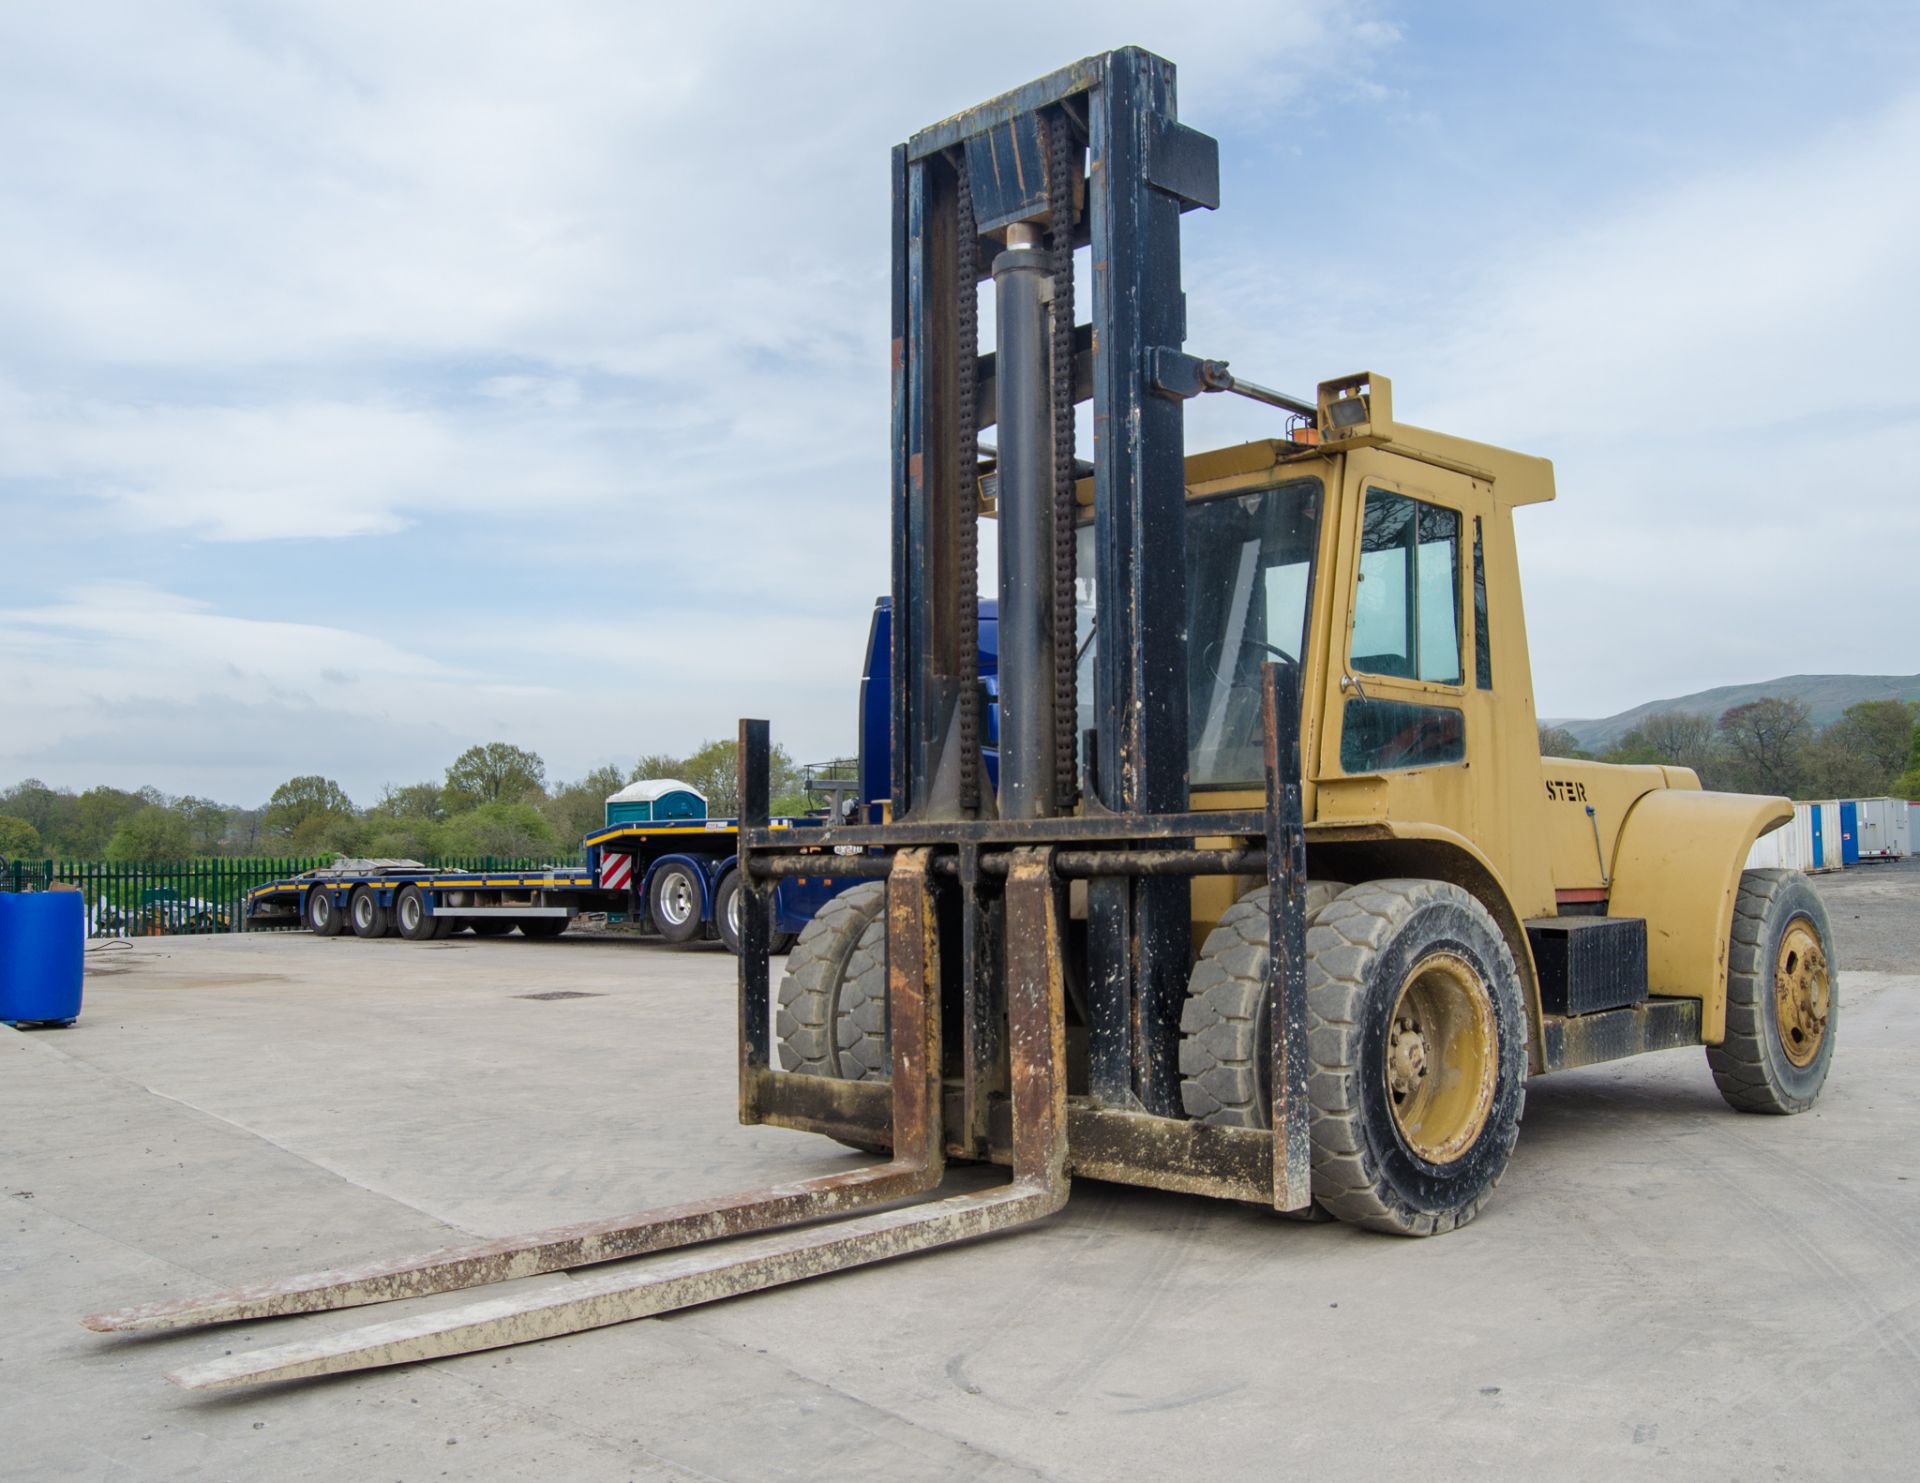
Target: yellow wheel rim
column 1802, row 992
column 1442, row 1057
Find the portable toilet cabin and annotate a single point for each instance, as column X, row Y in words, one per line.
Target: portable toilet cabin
column 1885, row 832
column 1849, row 831
column 656, row 801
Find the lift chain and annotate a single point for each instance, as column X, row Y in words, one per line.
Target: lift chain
column 967, row 472
column 1063, row 165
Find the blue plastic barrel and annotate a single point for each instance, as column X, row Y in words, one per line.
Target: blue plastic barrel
column 43, row 940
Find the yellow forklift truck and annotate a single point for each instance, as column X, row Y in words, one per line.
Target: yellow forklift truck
column 1253, row 883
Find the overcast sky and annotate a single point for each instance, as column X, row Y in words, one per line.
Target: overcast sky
column 376, row 379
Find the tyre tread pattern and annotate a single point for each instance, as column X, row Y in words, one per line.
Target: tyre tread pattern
column 820, row 961
column 1222, row 1040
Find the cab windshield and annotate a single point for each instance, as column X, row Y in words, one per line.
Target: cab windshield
column 1249, row 578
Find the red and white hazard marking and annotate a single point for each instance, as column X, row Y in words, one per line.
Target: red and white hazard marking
column 616, row 871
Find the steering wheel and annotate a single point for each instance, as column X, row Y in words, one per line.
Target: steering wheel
column 1212, row 655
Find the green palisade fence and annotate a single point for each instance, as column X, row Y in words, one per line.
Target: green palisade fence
column 169, row 898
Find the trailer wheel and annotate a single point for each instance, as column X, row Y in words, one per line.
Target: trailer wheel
column 673, row 901
column 369, row 917
column 833, row 998
column 410, row 917
column 490, row 926
column 726, row 912
column 544, row 927
column 324, row 917
column 726, row 919
column 1783, row 999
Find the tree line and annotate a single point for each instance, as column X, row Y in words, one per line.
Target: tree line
column 495, row 799
column 1771, row 745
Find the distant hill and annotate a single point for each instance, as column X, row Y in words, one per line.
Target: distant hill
column 1826, row 695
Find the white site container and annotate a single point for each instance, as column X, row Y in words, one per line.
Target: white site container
column 1885, row 833
column 1785, row 848
column 1809, row 841
column 1823, row 820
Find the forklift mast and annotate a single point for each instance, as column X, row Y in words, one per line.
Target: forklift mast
column 1092, row 156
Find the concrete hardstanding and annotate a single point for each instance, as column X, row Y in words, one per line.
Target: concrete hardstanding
column 1663, row 1284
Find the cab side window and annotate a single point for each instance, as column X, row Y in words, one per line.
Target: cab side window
column 1406, row 612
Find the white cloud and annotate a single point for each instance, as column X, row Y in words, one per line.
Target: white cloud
column 583, row 307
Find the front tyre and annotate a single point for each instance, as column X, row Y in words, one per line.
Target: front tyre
column 1417, row 1053
column 833, row 997
column 1783, row 1000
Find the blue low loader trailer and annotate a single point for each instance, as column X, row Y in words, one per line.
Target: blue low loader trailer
column 658, row 860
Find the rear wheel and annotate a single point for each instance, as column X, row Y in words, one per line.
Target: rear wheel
column 369, row 917
column 410, row 918
column 490, row 926
column 543, row 927
column 674, row 902
column 833, row 998
column 324, row 916
column 1783, row 999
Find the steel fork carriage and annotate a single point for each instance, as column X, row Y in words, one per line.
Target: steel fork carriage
column 977, row 877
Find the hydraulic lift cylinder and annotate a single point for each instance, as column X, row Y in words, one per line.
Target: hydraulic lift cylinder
column 1024, row 417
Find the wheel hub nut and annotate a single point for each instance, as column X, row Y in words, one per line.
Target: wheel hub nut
column 1406, row 1057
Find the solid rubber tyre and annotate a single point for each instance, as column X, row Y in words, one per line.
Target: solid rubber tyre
column 1361, row 943
column 324, row 915
column 542, row 928
column 366, row 915
column 832, row 1018
column 1224, row 1065
column 1774, row 914
column 674, row 899
column 410, row 918
column 1224, row 1025
column 490, row 926
column 1361, row 951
